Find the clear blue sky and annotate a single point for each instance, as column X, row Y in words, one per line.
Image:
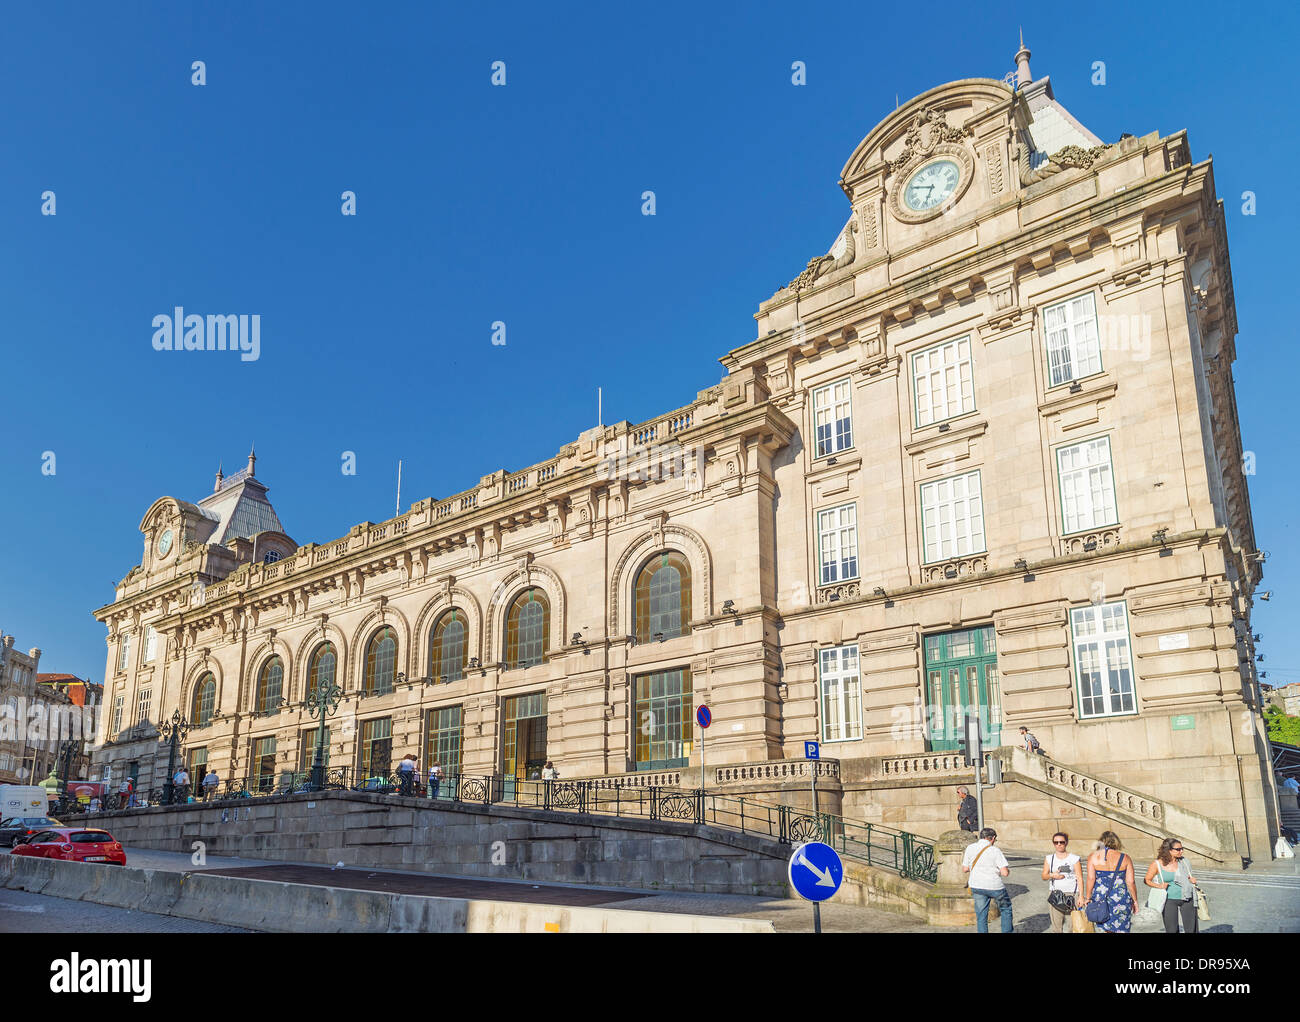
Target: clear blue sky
column 519, row 204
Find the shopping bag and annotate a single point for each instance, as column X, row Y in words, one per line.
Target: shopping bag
column 1202, row 906
column 1079, row 922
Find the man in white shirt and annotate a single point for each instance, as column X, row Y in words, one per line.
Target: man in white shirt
column 987, row 867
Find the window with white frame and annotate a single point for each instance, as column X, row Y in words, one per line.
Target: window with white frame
column 117, row 716
column 124, row 651
column 833, row 417
column 150, row 643
column 1087, row 485
column 841, row 694
column 943, row 380
column 837, row 539
column 144, row 705
column 1073, row 349
column 952, row 517
column 1102, row 661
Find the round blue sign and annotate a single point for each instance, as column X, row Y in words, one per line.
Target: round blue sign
column 703, row 717
column 816, row 871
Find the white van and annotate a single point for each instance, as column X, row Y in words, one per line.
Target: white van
column 23, row 800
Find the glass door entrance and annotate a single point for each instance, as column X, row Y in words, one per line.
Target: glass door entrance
column 524, row 741
column 961, row 673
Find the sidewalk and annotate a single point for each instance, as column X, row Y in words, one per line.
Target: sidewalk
column 1262, row 899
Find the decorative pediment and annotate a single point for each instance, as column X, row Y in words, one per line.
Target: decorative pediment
column 929, row 129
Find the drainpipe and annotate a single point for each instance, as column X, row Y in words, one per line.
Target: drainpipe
column 1245, row 820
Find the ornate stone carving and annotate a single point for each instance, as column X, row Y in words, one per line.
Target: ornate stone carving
column 1089, row 542
column 1069, row 158
column 843, row 591
column 870, row 226
column 993, row 158
column 928, row 128
column 824, row 264
column 960, row 567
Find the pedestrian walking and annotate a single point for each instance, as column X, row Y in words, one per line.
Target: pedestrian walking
column 1112, row 891
column 210, row 783
column 435, row 779
column 1030, row 743
column 988, row 869
column 1293, row 787
column 406, row 774
column 180, row 785
column 968, row 812
column 549, row 773
column 1062, row 869
column 1173, row 888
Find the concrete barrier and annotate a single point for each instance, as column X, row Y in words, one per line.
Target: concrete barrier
column 300, row 908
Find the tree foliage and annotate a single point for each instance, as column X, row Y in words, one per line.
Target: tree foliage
column 1282, row 728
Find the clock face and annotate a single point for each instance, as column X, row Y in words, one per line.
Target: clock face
column 931, row 186
column 165, row 543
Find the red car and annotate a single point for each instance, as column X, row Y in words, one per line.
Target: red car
column 75, row 844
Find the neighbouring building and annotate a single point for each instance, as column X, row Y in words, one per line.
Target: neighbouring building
column 983, row 455
column 1287, row 698
column 38, row 714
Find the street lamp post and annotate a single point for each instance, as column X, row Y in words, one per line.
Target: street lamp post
column 173, row 732
column 322, row 703
column 66, row 753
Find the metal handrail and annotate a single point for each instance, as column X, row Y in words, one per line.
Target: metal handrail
column 909, row 855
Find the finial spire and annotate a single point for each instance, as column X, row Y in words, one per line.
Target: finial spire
column 217, row 485
column 1023, row 75
column 252, row 459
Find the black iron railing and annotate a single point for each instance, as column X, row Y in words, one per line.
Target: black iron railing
column 907, row 854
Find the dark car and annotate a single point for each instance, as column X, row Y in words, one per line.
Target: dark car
column 74, row 844
column 24, row 827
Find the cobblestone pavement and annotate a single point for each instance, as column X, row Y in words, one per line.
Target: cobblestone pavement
column 22, row 912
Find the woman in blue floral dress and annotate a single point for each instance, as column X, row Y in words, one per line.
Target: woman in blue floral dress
column 1111, row 880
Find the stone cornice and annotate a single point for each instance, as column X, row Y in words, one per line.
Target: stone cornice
column 963, row 275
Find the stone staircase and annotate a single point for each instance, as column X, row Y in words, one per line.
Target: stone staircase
column 1208, row 837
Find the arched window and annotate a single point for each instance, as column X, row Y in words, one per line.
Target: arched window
column 270, row 686
column 447, row 647
column 381, row 662
column 663, row 597
column 205, row 700
column 321, row 672
column 528, row 629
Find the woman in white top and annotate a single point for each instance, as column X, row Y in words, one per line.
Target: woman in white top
column 1061, row 868
column 549, row 773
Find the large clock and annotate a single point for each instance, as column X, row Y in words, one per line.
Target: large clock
column 931, row 185
column 165, row 543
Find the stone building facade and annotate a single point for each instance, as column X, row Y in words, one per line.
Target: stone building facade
column 982, row 455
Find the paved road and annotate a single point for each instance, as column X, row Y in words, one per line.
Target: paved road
column 21, row 912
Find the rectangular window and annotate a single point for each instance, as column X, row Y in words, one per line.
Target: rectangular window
column 376, row 747
column 264, row 763
column 1101, row 658
column 943, row 378
column 117, row 716
column 150, row 643
column 144, row 705
column 1087, row 485
column 307, row 748
column 443, row 742
column 1073, row 349
column 841, row 694
column 664, row 720
column 837, row 539
column 197, row 764
column 524, row 741
column 952, row 517
column 124, row 651
column 833, row 417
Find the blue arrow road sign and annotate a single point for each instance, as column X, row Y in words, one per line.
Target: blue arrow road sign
column 816, row 871
column 811, row 750
column 703, row 717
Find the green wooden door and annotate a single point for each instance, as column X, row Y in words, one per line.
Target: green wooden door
column 961, row 673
